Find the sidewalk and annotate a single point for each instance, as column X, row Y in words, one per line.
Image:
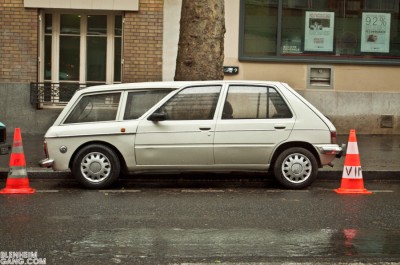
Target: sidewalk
column 379, row 154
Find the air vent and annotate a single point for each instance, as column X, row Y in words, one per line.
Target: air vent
column 387, row 121
column 320, row 77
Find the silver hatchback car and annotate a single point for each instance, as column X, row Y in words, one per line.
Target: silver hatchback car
column 211, row 126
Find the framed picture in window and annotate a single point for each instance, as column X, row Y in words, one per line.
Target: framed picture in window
column 375, row 32
column 319, row 28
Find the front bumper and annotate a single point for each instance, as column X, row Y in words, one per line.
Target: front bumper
column 332, row 149
column 47, row 162
column 4, row 149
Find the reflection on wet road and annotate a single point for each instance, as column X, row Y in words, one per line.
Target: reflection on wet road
column 121, row 244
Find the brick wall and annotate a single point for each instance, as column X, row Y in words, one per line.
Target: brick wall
column 18, row 42
column 143, row 36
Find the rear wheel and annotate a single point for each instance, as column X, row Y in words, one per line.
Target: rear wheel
column 296, row 168
column 96, row 166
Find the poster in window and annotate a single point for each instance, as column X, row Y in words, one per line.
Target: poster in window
column 375, row 32
column 319, row 31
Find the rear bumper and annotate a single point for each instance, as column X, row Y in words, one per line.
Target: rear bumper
column 47, row 162
column 332, row 149
column 4, row 149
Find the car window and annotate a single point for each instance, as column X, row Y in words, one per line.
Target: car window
column 94, row 108
column 254, row 102
column 141, row 101
column 193, row 103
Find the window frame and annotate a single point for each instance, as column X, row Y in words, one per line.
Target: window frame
column 297, row 59
column 55, row 46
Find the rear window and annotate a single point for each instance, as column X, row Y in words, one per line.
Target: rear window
column 95, row 108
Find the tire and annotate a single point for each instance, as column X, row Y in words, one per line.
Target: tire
column 296, row 168
column 96, row 166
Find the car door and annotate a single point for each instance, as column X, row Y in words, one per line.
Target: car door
column 254, row 120
column 181, row 131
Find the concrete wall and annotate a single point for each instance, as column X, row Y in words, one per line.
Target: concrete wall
column 18, row 67
column 16, row 110
column 363, row 111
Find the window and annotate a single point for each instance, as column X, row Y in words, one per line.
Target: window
column 140, row 102
column 254, row 102
column 365, row 31
column 69, row 61
column 96, row 48
column 95, row 108
column 193, row 103
column 81, row 48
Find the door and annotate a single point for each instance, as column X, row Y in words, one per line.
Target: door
column 181, row 132
column 253, row 121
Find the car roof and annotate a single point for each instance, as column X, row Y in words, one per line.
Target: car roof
column 168, row 84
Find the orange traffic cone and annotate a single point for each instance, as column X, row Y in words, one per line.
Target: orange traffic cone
column 17, row 180
column 352, row 179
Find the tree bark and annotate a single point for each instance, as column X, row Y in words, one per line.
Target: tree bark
column 201, row 41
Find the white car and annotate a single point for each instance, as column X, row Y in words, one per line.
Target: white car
column 211, row 126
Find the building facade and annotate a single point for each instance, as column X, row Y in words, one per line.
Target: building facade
column 343, row 56
column 322, row 49
column 348, row 65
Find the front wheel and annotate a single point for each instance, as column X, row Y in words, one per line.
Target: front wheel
column 96, row 166
column 296, row 168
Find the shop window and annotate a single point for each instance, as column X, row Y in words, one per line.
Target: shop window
column 326, row 30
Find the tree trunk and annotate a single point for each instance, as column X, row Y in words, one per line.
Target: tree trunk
column 201, row 40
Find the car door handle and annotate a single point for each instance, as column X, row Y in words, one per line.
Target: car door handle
column 205, row 128
column 279, row 126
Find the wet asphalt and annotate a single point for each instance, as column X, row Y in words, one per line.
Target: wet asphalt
column 134, row 224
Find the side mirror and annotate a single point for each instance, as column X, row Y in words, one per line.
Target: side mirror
column 158, row 116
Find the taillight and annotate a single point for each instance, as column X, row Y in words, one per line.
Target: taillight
column 45, row 149
column 333, row 137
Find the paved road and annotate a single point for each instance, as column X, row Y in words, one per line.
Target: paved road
column 195, row 222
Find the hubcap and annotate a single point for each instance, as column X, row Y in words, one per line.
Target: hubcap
column 95, row 167
column 296, row 168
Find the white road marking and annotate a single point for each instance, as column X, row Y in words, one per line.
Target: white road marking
column 202, row 191
column 120, row 191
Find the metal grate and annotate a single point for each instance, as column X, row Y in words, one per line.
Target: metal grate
column 53, row 94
